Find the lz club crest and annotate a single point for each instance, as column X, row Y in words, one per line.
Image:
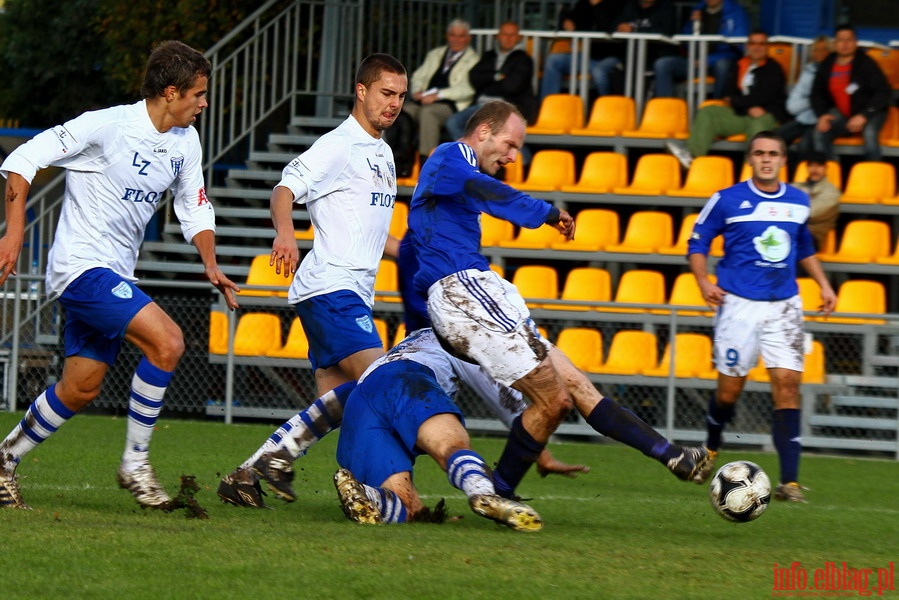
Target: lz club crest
column 123, row 290
column 364, row 323
column 177, row 163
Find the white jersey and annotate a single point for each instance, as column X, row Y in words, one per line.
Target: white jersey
column 118, row 168
column 422, row 347
column 349, row 181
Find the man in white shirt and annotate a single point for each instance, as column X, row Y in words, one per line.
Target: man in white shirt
column 120, row 161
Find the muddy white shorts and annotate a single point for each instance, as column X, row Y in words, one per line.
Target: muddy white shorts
column 484, row 318
column 746, row 328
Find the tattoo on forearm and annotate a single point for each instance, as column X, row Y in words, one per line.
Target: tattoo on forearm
column 11, row 196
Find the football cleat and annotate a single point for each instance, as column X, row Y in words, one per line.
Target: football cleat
column 682, row 155
column 703, row 473
column 144, row 486
column 354, row 501
column 790, row 492
column 10, row 496
column 276, row 470
column 691, row 460
column 510, row 513
column 241, row 488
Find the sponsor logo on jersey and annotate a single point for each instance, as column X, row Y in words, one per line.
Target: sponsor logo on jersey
column 773, row 245
column 160, row 150
column 135, row 195
column 365, row 324
column 201, row 197
column 123, row 290
column 177, row 163
column 745, row 204
column 62, row 136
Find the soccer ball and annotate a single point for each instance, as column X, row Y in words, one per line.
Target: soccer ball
column 740, row 491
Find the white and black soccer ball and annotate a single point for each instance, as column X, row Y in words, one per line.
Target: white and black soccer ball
column 740, row 491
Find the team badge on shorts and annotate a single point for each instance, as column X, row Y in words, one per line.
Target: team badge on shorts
column 364, row 323
column 123, row 290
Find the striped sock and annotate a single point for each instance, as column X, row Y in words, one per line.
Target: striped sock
column 147, row 390
column 467, row 472
column 387, row 503
column 307, row 426
column 45, row 415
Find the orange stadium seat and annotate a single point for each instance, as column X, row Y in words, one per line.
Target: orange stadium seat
column 586, row 284
column 261, row 273
column 662, row 118
column 257, row 334
column 582, row 346
column 654, row 175
column 594, row 229
column 647, row 231
column 296, row 345
column 542, row 237
column 218, row 332
column 631, row 353
column 863, row 241
column 387, row 280
column 602, row 172
column 610, row 116
column 513, row 172
column 685, row 292
column 888, row 61
column 859, row 296
column 889, row 132
column 692, row 357
column 550, row 169
column 686, row 230
column 783, row 53
column 638, row 286
column 810, row 293
column 494, row 230
column 399, row 222
column 869, row 182
column 706, row 175
column 535, row 283
column 558, row 115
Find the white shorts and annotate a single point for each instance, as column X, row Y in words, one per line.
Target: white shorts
column 746, row 328
column 484, row 318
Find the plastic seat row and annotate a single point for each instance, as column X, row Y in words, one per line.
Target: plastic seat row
column 599, row 230
column 635, row 352
column 862, row 241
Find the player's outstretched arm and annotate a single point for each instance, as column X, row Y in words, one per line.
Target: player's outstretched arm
column 285, row 254
column 205, row 244
column 17, row 188
column 547, row 464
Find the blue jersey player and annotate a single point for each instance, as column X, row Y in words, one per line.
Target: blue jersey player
column 483, row 317
column 764, row 225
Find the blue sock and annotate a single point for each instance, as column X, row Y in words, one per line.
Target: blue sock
column 520, row 453
column 717, row 417
column 466, row 471
column 388, row 504
column 785, row 432
column 45, row 415
column 611, row 419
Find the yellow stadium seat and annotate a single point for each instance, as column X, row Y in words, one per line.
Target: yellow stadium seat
column 602, row 172
column 862, row 241
column 859, row 296
column 686, row 292
column 257, row 334
column 550, row 169
column 889, row 132
column 693, row 357
column 536, row 283
column 810, row 294
column 586, row 284
column 888, row 61
column 387, row 280
column 610, row 116
column 706, row 175
column 870, row 182
column 558, row 115
column 647, row 231
column 296, row 345
column 400, row 334
column 399, row 222
column 815, row 370
column 594, row 229
column 631, row 353
column 542, row 237
column 381, row 328
column 638, row 286
column 513, row 172
column 782, row 53
column 654, row 175
column 305, row 234
column 834, row 173
column 262, row 273
column 498, row 270
column 662, row 118
column 582, row 346
column 218, row 332
column 686, row 230
column 495, row 231
column 891, row 259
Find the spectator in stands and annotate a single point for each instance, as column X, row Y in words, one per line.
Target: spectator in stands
column 722, row 17
column 440, row 86
column 505, row 73
column 799, row 101
column 754, row 101
column 643, row 16
column 824, row 196
column 585, row 15
column 850, row 95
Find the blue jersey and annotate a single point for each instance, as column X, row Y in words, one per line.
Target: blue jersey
column 444, row 216
column 765, row 236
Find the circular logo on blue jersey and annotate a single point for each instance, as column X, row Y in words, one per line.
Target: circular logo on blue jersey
column 773, row 245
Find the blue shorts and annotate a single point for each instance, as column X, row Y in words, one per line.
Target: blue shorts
column 99, row 305
column 337, row 325
column 382, row 417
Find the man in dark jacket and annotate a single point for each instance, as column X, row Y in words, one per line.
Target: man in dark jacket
column 755, row 101
column 850, row 96
column 502, row 74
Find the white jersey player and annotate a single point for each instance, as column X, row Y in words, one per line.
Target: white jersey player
column 119, row 161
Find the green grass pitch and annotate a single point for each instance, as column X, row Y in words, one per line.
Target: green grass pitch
column 627, row 529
